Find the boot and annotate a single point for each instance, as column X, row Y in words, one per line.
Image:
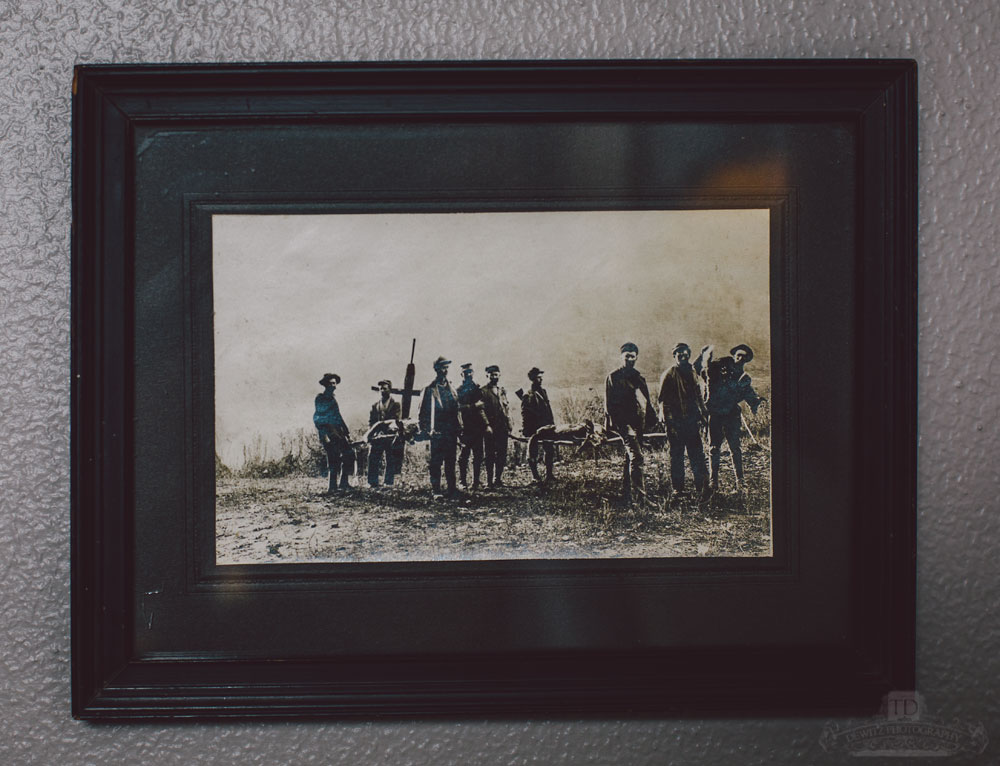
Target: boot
column 333, row 469
column 702, row 490
column 638, row 482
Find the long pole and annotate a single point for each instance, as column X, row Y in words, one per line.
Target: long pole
column 411, row 374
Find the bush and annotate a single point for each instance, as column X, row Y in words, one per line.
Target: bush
column 222, row 471
column 577, row 405
column 300, row 455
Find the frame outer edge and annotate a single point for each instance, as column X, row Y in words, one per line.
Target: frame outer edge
column 94, row 512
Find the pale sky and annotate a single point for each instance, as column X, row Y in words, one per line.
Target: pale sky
column 297, row 296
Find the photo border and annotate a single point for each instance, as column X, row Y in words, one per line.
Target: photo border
column 123, row 603
column 207, row 574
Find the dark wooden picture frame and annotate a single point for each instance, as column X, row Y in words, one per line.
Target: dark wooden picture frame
column 824, row 626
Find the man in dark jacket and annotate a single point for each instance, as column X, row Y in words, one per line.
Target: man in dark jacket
column 439, row 417
column 475, row 428
column 386, row 408
column 498, row 415
column 684, row 413
column 725, row 419
column 628, row 410
column 334, row 434
column 742, row 356
column 535, row 413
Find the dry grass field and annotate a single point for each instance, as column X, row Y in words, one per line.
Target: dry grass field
column 279, row 512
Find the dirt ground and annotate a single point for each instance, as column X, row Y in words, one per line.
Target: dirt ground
column 578, row 515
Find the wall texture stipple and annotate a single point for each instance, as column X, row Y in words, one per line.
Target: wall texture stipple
column 956, row 46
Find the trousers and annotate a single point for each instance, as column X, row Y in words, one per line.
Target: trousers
column 496, row 456
column 471, row 444
column 379, row 453
column 339, row 456
column 549, row 452
column 443, row 452
column 726, row 426
column 632, row 478
column 685, row 436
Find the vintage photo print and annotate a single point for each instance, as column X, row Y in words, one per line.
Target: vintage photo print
column 492, row 385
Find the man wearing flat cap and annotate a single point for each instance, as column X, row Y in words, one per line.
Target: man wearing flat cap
column 684, row 414
column 535, row 413
column 628, row 410
column 474, row 428
column 498, row 415
column 439, row 417
column 386, row 408
column 334, row 434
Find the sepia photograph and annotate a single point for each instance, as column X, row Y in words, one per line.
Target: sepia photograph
column 492, row 385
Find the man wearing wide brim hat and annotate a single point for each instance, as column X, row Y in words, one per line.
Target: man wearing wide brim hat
column 742, row 356
column 334, row 434
column 728, row 385
column 440, row 419
column 535, row 408
column 536, row 411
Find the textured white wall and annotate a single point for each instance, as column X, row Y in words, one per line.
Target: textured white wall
column 956, row 45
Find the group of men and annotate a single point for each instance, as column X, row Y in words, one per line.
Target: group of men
column 691, row 398
column 474, row 421
column 476, row 416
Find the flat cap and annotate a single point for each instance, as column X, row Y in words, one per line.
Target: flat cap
column 630, row 347
column 534, row 372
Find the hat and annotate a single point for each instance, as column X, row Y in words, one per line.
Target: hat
column 630, row 347
column 441, row 361
column 681, row 347
column 743, row 347
column 492, row 368
column 330, row 376
column 386, row 382
column 534, row 372
column 467, row 366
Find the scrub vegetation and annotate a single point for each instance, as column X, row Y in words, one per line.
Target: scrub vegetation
column 276, row 509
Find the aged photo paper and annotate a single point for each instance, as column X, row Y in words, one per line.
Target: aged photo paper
column 313, row 312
